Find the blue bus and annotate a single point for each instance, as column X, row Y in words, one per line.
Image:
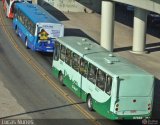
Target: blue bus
column 36, row 27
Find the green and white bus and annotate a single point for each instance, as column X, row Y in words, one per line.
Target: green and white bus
column 111, row 85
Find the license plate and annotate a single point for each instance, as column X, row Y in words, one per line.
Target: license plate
column 133, row 111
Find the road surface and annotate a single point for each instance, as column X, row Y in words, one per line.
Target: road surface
column 34, row 95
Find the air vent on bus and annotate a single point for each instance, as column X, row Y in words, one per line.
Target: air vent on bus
column 85, row 43
column 111, row 59
column 87, row 48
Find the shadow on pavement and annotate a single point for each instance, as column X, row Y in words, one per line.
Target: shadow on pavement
column 122, row 49
column 94, row 5
column 130, row 122
column 77, row 32
column 151, row 47
column 52, row 10
column 41, row 110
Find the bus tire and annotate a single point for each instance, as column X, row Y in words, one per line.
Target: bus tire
column 60, row 77
column 90, row 103
column 26, row 43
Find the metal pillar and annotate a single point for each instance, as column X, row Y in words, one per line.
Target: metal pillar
column 139, row 31
column 107, row 25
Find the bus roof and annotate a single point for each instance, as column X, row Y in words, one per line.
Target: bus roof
column 36, row 13
column 100, row 57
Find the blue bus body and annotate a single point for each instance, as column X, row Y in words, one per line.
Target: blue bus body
column 36, row 27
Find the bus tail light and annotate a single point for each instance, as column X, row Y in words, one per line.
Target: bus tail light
column 149, row 107
column 116, row 109
column 117, row 105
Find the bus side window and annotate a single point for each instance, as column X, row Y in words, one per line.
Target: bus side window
column 20, row 16
column 56, row 51
column 108, row 84
column 75, row 61
column 18, row 13
column 29, row 25
column 92, row 73
column 68, row 57
column 83, row 67
column 63, row 53
column 32, row 28
column 15, row 12
column 24, row 20
column 14, row 9
column 101, row 80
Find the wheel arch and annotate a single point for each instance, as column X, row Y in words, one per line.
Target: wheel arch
column 88, row 95
column 60, row 72
column 25, row 38
column 16, row 27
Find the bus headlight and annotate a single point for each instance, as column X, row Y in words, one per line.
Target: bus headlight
column 149, row 107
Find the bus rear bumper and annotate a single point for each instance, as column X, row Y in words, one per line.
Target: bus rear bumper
column 128, row 117
column 50, row 50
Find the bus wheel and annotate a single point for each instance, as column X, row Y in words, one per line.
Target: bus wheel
column 90, row 103
column 60, row 77
column 26, row 43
